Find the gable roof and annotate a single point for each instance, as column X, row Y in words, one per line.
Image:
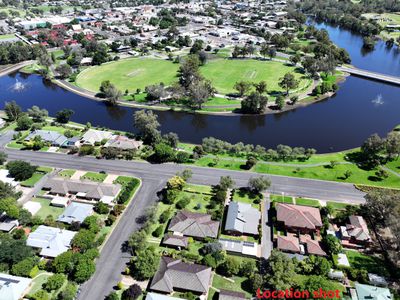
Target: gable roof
column 243, row 218
column 175, row 274
column 288, row 243
column 358, row 228
column 313, row 247
column 13, row 287
column 369, row 292
column 176, row 240
column 123, row 142
column 76, row 212
column 52, row 137
column 53, row 241
column 92, row 136
column 93, row 190
column 231, row 295
column 194, row 224
column 298, row 216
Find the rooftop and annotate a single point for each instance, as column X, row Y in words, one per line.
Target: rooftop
column 298, row 216
column 243, row 218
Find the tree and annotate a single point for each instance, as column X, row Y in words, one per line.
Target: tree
column 132, row 293
column 10, row 207
column 24, row 267
column 316, row 283
column 295, row 59
column 54, row 282
column 20, row 170
column 3, row 157
column 37, row 114
column 247, row 268
column 147, row 125
column 188, row 72
column 280, row 102
column 261, row 87
column 176, row 183
column 254, row 103
column 250, row 162
column 83, row 240
column 392, row 145
column 12, row 110
column 163, row 153
column 64, row 71
column 280, row 273
column 259, row 184
column 24, row 122
column 69, row 292
column 199, row 92
column 242, row 87
column 332, row 244
column 288, row 82
column 371, row 149
column 101, row 208
column 40, row 295
column 63, row 116
column 145, row 264
column 231, row 266
column 110, row 92
column 226, row 182
column 84, row 270
column 112, row 296
column 138, row 241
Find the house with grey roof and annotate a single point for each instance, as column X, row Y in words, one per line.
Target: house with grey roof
column 175, row 275
column 177, row 241
column 76, row 212
column 52, row 137
column 369, row 292
column 93, row 136
column 13, row 287
column 192, row 224
column 242, row 218
column 155, row 296
column 97, row 191
column 230, row 295
column 123, row 143
column 53, row 241
column 6, row 223
column 240, row 247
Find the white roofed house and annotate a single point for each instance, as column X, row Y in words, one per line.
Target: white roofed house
column 242, row 218
column 123, row 143
column 76, row 212
column 92, row 137
column 53, row 241
column 13, row 287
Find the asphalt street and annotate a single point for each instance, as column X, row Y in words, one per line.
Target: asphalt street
column 113, row 260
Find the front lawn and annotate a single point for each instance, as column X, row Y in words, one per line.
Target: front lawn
column 281, row 199
column 372, row 264
column 237, row 284
column 337, row 205
column 67, row 173
column 93, row 176
column 30, row 182
column 245, row 196
column 47, row 209
column 307, row 202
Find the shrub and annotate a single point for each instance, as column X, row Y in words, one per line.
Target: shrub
column 158, row 232
column 54, row 282
column 183, row 203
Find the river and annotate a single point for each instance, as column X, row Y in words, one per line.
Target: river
column 361, row 107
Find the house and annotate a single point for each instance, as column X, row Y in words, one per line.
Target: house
column 124, row 143
column 194, row 224
column 5, row 177
column 13, row 287
column 6, row 223
column 178, row 241
column 242, row 218
column 76, row 212
column 356, row 232
column 239, row 247
column 52, row 137
column 289, row 244
column 97, row 191
column 368, row 292
column 60, row 201
column 53, row 241
column 300, row 218
column 92, row 137
column 175, row 275
column 312, row 247
column 155, row 296
column 230, row 295
column 336, row 275
column 375, row 279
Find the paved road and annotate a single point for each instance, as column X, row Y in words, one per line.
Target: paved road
column 112, row 259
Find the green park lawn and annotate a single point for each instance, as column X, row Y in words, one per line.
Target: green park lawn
column 370, row 263
column 47, row 209
column 133, row 73
column 129, row 74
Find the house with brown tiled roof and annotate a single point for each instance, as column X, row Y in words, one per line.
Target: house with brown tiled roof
column 298, row 218
column 312, row 247
column 288, row 243
column 356, row 232
column 173, row 275
column 176, row 241
column 192, row 224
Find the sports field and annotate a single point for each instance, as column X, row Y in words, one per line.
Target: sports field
column 140, row 72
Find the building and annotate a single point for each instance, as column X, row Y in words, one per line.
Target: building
column 197, row 225
column 368, row 292
column 124, row 143
column 76, row 212
column 377, row 280
column 92, row 136
column 178, row 241
column 298, row 218
column 53, row 241
column 155, row 296
column 52, row 137
column 5, row 177
column 312, row 247
column 60, row 201
column 231, row 295
column 13, row 287
column 81, row 189
column 356, row 232
column 175, row 275
column 6, row 223
column 289, row 244
column 239, row 247
column 242, row 218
